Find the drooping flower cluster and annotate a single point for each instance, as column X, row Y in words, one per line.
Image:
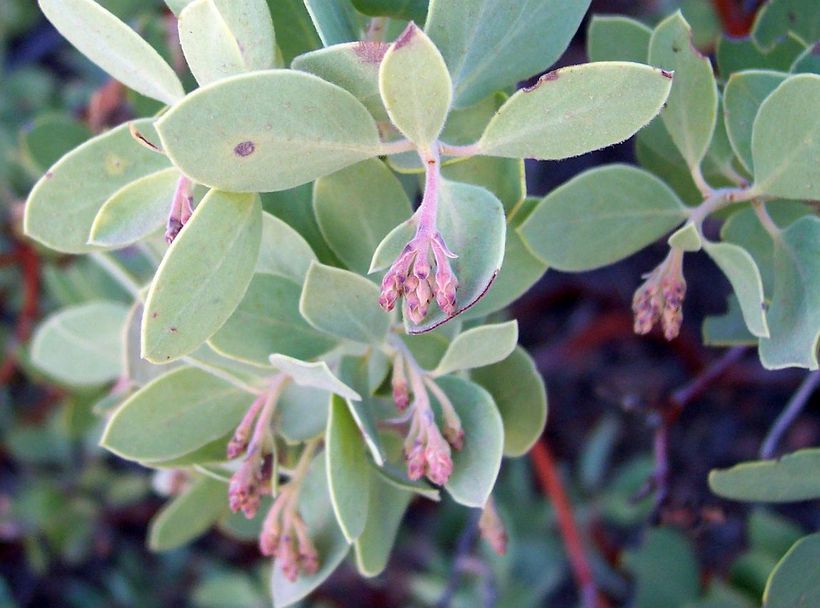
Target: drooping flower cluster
column 661, row 297
column 411, row 276
column 427, row 451
column 284, row 534
column 285, row 537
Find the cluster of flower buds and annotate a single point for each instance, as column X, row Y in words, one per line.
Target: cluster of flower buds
column 401, row 392
column 426, row 449
column 411, row 275
column 285, row 537
column 181, row 208
column 253, row 479
column 492, row 528
column 661, row 297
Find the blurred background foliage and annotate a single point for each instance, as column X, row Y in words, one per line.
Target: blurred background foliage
column 73, row 519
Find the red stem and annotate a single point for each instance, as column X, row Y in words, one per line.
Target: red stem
column 735, row 21
column 553, row 486
column 30, row 269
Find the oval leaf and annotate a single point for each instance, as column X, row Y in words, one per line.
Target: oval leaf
column 353, row 311
column 283, row 251
column 476, row 465
column 62, row 206
column 222, row 38
column 188, row 515
column 415, row 86
column 600, row 217
column 115, row 47
column 521, row 397
column 742, row 272
column 267, row 131
column 617, row 38
column 794, row 477
column 489, row 45
column 316, row 375
column 81, row 345
column 576, row 109
column 691, row 110
column 174, row 415
column 478, row 347
column 135, row 211
column 203, row 276
column 348, row 473
column 384, row 514
column 267, row 321
column 786, row 153
column 793, row 582
column 356, row 208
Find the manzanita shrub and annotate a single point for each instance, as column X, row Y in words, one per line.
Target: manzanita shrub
column 313, row 352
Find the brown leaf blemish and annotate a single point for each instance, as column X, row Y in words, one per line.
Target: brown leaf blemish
column 49, row 174
column 245, row 148
column 406, row 36
column 370, row 52
column 548, row 77
column 154, row 315
column 173, row 330
column 666, row 74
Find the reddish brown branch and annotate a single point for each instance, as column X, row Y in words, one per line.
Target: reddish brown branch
column 553, row 486
column 29, row 265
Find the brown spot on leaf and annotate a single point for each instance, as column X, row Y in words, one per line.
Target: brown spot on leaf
column 548, row 77
column 245, row 148
column 49, row 174
column 173, row 330
column 406, row 36
column 666, row 74
column 154, row 315
column 369, row 51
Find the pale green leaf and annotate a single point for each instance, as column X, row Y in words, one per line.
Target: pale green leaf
column 778, row 17
column 301, row 412
column 174, row 415
column 476, row 465
column 686, row 238
column 203, row 276
column 415, row 86
column 354, row 66
column 48, row 138
column 222, row 38
column 691, row 110
column 471, row 220
column 136, row 369
column 356, row 208
column 793, row 582
column 334, row 20
column 600, row 217
column 343, row 304
column 396, row 476
column 492, row 44
column 315, row 375
column 135, row 211
column 355, row 372
column 742, row 272
column 521, row 397
column 793, row 477
column 387, row 505
column 188, row 515
column 786, row 153
column 728, row 329
column 317, row 512
column 348, row 473
column 283, row 251
column 742, row 98
column 520, row 270
column 63, row 204
column 617, row 38
column 794, row 314
column 655, row 151
column 576, row 109
column 115, row 47
column 744, row 228
column 266, row 131
column 267, row 321
column 81, row 345
column 479, row 346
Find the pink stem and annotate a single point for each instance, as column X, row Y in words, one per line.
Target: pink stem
column 429, row 203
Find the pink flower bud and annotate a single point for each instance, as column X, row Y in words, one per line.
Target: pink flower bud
column 243, row 490
column 287, row 558
column 454, row 436
column 416, row 461
column 492, row 529
column 437, row 455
